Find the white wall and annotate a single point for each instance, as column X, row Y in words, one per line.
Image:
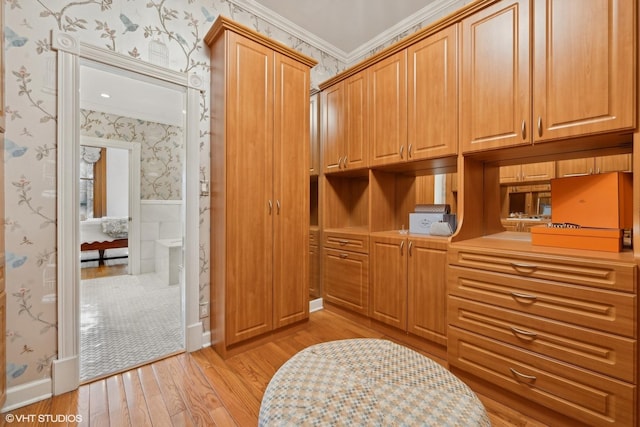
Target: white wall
column 117, row 182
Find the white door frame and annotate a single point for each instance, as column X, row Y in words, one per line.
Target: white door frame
column 66, row 368
column 134, row 193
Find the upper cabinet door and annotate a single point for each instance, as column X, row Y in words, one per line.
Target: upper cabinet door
column 388, row 110
column 495, row 77
column 356, row 103
column 332, row 133
column 433, row 96
column 314, row 138
column 584, row 63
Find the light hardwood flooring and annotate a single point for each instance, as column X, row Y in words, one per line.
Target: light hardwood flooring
column 201, row 389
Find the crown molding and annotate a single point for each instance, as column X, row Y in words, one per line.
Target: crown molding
column 426, row 14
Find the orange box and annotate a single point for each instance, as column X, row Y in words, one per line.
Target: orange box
column 601, row 201
column 595, row 239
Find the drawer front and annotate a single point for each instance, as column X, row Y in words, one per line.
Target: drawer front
column 346, row 280
column 593, row 308
column 347, row 242
column 606, row 274
column 591, row 398
column 599, row 351
column 314, row 237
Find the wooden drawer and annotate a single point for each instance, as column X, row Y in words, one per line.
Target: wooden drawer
column 345, row 279
column 579, row 305
column 586, row 396
column 607, row 274
column 347, row 241
column 602, row 352
column 314, row 237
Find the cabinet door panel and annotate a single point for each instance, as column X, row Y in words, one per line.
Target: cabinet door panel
column 433, row 96
column 346, row 279
column 584, row 67
column 389, row 281
column 427, row 290
column 249, row 170
column 291, row 192
column 332, row 133
column 614, row 163
column 574, row 167
column 388, row 110
column 495, row 94
column 356, row 144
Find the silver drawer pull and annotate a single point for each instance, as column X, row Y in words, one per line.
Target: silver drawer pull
column 343, row 242
column 519, row 332
column 522, row 266
column 530, row 378
column 343, row 256
column 524, row 296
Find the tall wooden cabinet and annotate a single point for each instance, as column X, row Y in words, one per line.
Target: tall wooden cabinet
column 260, row 191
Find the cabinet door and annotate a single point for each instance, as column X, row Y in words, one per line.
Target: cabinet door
column 427, row 290
column 249, row 171
column 510, row 174
column 389, row 280
column 388, row 110
column 575, row 167
column 542, row 171
column 332, row 132
column 433, row 96
column 291, row 192
column 495, row 95
column 583, row 67
column 314, row 135
column 346, row 279
column 356, row 144
column 614, row 163
column 314, row 272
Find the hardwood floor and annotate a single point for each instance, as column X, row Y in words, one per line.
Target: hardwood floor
column 201, row 389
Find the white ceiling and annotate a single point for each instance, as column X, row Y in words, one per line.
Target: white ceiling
column 346, row 29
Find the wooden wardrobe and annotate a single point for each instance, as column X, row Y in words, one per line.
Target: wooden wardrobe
column 259, row 185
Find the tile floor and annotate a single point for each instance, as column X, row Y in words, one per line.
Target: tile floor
column 126, row 321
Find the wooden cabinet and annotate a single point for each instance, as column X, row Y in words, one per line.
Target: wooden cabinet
column 388, row 110
column 314, row 263
column 556, row 330
column 346, row 270
column 314, row 135
column 260, row 184
column 543, row 171
column 574, row 56
column 433, row 96
column 408, row 286
column 345, row 126
column 594, row 165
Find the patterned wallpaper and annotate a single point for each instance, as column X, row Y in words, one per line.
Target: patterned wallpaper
column 164, row 32
column 161, row 150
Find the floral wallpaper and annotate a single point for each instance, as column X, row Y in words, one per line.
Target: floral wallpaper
column 164, row 32
column 160, row 155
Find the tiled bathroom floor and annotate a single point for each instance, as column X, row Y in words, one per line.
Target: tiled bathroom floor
column 126, row 321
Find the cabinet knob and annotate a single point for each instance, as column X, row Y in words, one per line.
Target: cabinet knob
column 340, row 162
column 278, row 206
column 409, row 151
column 522, row 333
column 410, row 247
column 344, row 162
column 270, row 204
column 401, row 248
column 402, row 151
column 524, row 130
column 518, row 295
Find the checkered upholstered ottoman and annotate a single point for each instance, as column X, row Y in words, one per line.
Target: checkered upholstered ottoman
column 369, row 382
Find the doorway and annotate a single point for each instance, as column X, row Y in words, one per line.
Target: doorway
column 131, row 197
column 70, row 54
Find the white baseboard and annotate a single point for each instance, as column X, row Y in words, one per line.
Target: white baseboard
column 26, row 394
column 315, row 305
column 194, row 337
